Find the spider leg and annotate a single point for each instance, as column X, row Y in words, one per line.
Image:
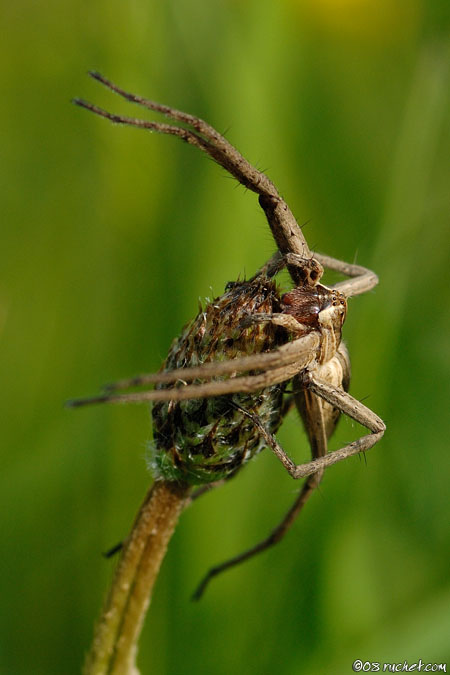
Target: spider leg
column 111, row 552
column 299, row 351
column 271, row 268
column 309, row 269
column 204, row 489
column 346, row 404
column 318, row 448
column 278, row 319
column 206, row 137
column 274, row 537
column 362, row 279
column 286, row 232
column 278, row 366
column 245, row 384
column 314, row 469
column 288, row 404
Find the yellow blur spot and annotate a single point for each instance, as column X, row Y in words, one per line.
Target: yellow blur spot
column 375, row 21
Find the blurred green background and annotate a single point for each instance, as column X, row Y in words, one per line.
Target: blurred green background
column 110, row 235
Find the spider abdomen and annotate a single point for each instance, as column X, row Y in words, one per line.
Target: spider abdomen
column 204, row 440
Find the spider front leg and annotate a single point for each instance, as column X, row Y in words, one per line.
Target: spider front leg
column 278, row 365
column 286, row 232
column 361, row 281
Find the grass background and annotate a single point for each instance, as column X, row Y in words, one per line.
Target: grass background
column 108, row 238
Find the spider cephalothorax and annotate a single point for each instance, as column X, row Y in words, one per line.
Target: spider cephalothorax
column 319, row 308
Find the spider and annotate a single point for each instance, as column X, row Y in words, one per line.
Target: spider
column 221, row 394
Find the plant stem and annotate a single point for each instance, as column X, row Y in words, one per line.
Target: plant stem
column 114, row 647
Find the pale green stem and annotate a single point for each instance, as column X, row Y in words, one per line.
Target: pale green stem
column 114, row 647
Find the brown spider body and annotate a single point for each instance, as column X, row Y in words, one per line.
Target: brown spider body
column 208, row 439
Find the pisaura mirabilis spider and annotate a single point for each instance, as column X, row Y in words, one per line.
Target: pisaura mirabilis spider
column 221, row 393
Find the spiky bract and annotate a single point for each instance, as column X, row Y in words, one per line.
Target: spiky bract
column 203, row 440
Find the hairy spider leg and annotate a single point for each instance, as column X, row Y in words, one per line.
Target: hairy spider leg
column 313, row 470
column 362, row 280
column 286, row 232
column 318, row 449
column 278, row 365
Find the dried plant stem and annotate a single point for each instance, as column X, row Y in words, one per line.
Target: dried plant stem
column 114, row 647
